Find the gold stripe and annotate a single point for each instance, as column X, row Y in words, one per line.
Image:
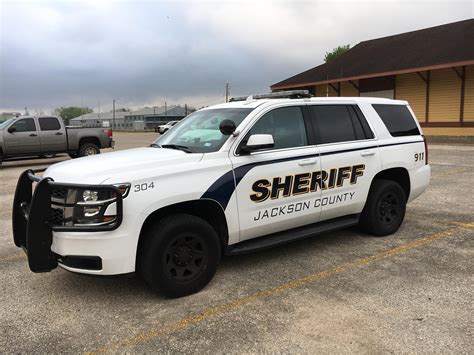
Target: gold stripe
column 228, row 307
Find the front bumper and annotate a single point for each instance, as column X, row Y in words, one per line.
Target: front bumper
column 36, row 215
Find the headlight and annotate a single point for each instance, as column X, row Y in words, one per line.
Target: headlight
column 87, row 206
column 98, row 206
column 90, row 195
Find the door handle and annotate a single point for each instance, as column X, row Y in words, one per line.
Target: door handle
column 309, row 161
column 33, row 135
column 59, row 133
column 366, row 153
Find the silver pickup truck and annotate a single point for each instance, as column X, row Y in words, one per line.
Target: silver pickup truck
column 47, row 135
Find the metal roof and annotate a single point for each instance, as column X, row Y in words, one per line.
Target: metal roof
column 430, row 48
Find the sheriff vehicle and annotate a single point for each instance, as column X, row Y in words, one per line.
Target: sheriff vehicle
column 228, row 179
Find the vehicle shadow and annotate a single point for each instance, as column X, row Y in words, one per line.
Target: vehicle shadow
column 132, row 286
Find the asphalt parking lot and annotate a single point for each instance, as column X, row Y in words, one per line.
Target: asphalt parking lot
column 341, row 292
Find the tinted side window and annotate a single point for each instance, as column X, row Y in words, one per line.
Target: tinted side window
column 398, row 120
column 285, row 124
column 49, row 124
column 334, row 123
column 25, row 125
column 368, row 134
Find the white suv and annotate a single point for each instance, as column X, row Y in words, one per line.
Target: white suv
column 228, row 179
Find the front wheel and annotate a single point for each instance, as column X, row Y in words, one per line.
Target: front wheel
column 385, row 208
column 179, row 255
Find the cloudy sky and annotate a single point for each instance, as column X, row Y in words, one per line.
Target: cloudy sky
column 58, row 53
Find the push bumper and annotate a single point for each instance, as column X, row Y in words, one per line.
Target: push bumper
column 38, row 213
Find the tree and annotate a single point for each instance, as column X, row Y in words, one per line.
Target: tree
column 336, row 52
column 68, row 113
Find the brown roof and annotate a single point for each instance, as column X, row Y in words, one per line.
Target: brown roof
column 429, row 48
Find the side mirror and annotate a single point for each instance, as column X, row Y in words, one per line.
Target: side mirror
column 258, row 142
column 11, row 129
column 227, row 127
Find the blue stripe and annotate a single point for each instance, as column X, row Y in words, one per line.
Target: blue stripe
column 222, row 189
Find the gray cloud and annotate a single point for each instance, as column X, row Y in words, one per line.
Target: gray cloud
column 65, row 53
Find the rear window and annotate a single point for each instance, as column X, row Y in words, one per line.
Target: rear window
column 398, row 120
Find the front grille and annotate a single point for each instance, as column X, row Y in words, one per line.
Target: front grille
column 59, row 193
column 57, row 217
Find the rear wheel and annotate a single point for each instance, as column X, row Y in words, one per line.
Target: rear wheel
column 179, row 255
column 385, row 208
column 88, row 149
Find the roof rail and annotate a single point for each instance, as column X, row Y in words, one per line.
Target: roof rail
column 290, row 94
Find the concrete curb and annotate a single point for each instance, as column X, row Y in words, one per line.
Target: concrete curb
column 450, row 139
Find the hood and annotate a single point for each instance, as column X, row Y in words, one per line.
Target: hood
column 121, row 166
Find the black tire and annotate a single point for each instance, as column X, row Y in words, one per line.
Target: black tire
column 88, row 149
column 385, row 208
column 179, row 255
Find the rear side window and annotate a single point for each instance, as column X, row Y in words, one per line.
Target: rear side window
column 398, row 120
column 339, row 123
column 49, row 124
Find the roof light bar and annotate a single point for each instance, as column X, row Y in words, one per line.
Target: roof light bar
column 290, row 94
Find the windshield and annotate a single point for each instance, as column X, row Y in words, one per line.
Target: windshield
column 5, row 123
column 199, row 132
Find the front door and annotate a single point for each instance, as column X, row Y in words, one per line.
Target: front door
column 274, row 187
column 24, row 139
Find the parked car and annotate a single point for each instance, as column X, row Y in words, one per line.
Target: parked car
column 47, row 136
column 165, row 127
column 231, row 178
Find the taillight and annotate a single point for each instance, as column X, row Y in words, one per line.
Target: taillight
column 110, row 132
column 426, row 150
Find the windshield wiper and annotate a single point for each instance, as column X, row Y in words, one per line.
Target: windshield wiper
column 177, row 147
column 154, row 145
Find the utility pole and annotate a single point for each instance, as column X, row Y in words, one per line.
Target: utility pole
column 166, row 109
column 113, row 115
column 227, row 90
column 185, row 109
column 99, row 107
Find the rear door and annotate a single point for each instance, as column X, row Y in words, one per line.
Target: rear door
column 52, row 135
column 350, row 158
column 25, row 138
column 273, row 186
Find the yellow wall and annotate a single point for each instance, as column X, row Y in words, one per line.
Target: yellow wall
column 412, row 88
column 347, row 89
column 469, row 94
column 321, row 90
column 445, row 96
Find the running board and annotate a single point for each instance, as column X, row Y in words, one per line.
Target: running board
column 291, row 235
